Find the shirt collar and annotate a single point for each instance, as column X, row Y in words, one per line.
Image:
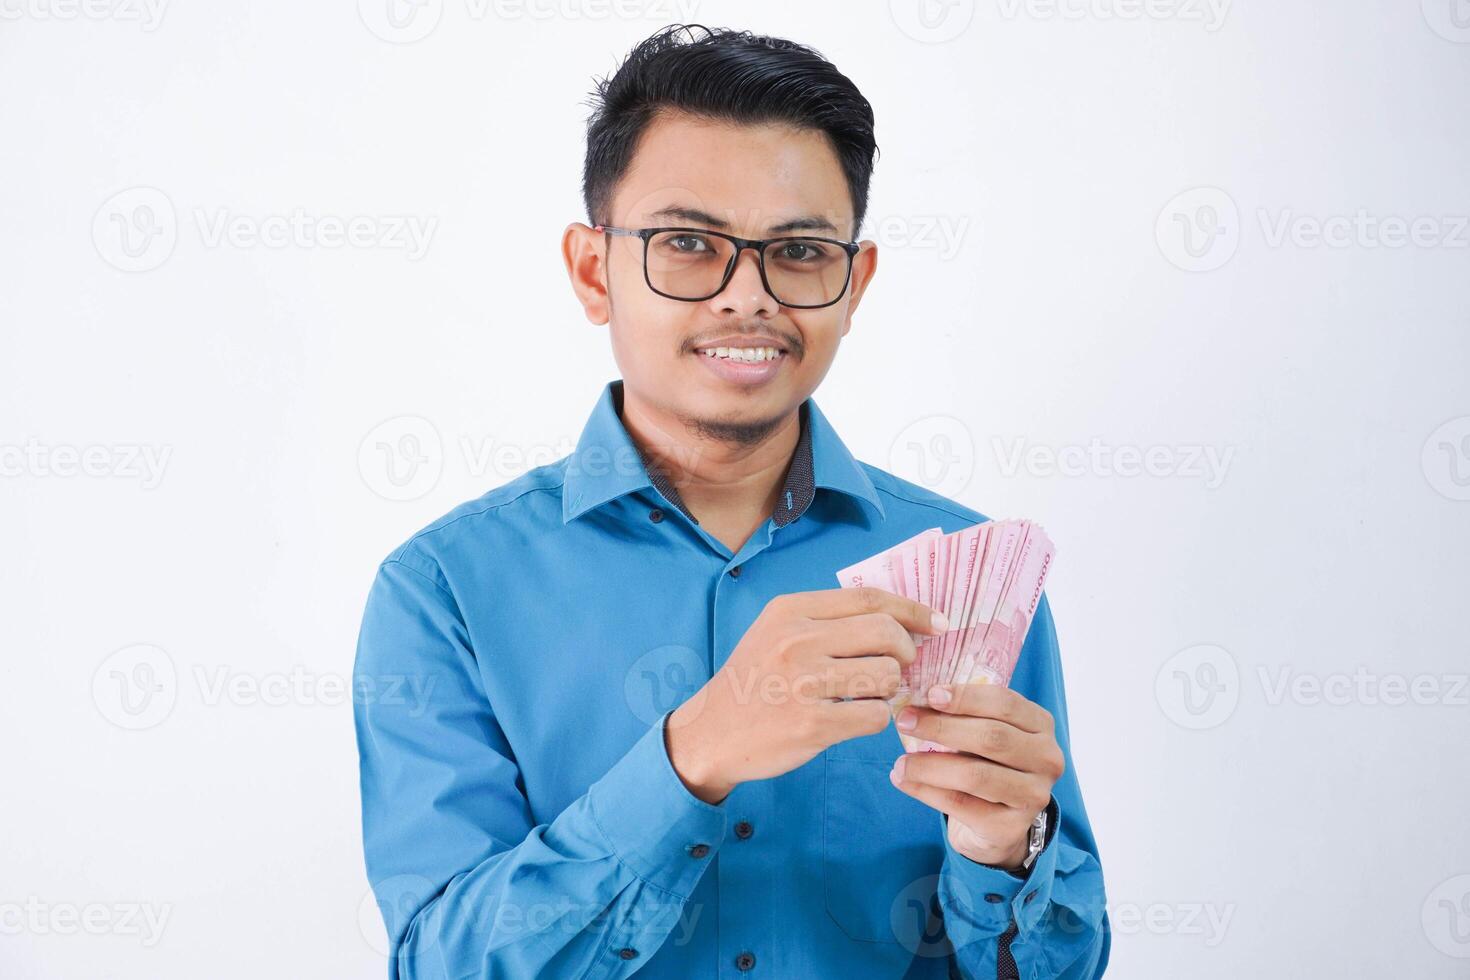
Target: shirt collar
column 607, row 464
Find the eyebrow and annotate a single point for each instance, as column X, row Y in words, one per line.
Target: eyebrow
column 807, row 222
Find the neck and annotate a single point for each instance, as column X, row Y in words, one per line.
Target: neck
column 728, row 474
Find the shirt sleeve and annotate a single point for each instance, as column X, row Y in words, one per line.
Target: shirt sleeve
column 1052, row 921
column 469, row 885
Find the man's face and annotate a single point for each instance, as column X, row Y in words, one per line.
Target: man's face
column 742, row 180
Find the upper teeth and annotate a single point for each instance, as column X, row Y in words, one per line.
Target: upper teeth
column 743, row 353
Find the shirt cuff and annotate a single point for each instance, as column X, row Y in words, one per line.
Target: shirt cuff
column 664, row 834
column 991, row 897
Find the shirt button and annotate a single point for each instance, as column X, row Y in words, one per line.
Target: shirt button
column 745, row 961
column 993, row 898
column 655, row 515
column 1029, row 896
column 699, row 850
column 628, row 952
column 735, row 572
column 743, row 830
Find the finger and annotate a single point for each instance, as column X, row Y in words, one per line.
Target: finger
column 864, row 635
column 963, row 773
column 864, row 677
column 839, row 603
column 854, row 719
column 984, row 700
column 960, row 805
column 997, row 741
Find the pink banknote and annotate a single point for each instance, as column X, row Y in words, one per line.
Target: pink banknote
column 986, row 579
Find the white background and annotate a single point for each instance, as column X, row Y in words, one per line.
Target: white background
column 1242, row 645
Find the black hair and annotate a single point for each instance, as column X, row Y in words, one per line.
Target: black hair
column 730, row 76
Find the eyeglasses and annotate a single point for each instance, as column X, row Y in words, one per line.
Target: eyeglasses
column 694, row 264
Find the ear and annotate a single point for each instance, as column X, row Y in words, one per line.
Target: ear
column 582, row 250
column 864, row 267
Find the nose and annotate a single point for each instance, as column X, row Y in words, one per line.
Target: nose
column 745, row 295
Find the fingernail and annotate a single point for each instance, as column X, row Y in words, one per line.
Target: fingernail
column 939, row 621
column 939, row 695
column 907, row 718
column 897, row 774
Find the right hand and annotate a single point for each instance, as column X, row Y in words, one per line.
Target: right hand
column 776, row 703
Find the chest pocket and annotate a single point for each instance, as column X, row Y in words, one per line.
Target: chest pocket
column 881, row 848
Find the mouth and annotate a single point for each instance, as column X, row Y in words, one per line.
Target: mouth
column 745, row 366
column 745, row 355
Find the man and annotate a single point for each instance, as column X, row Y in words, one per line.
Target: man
column 655, row 740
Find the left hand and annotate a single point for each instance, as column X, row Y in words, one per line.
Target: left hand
column 999, row 777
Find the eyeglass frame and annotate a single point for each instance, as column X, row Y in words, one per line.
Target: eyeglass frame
column 741, row 244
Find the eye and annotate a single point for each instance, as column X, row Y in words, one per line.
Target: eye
column 801, row 251
column 688, row 244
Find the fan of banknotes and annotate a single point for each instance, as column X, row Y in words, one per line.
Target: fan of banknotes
column 986, row 579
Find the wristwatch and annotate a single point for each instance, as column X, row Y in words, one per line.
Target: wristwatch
column 1037, row 841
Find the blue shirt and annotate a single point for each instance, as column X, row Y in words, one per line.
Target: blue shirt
column 517, row 662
